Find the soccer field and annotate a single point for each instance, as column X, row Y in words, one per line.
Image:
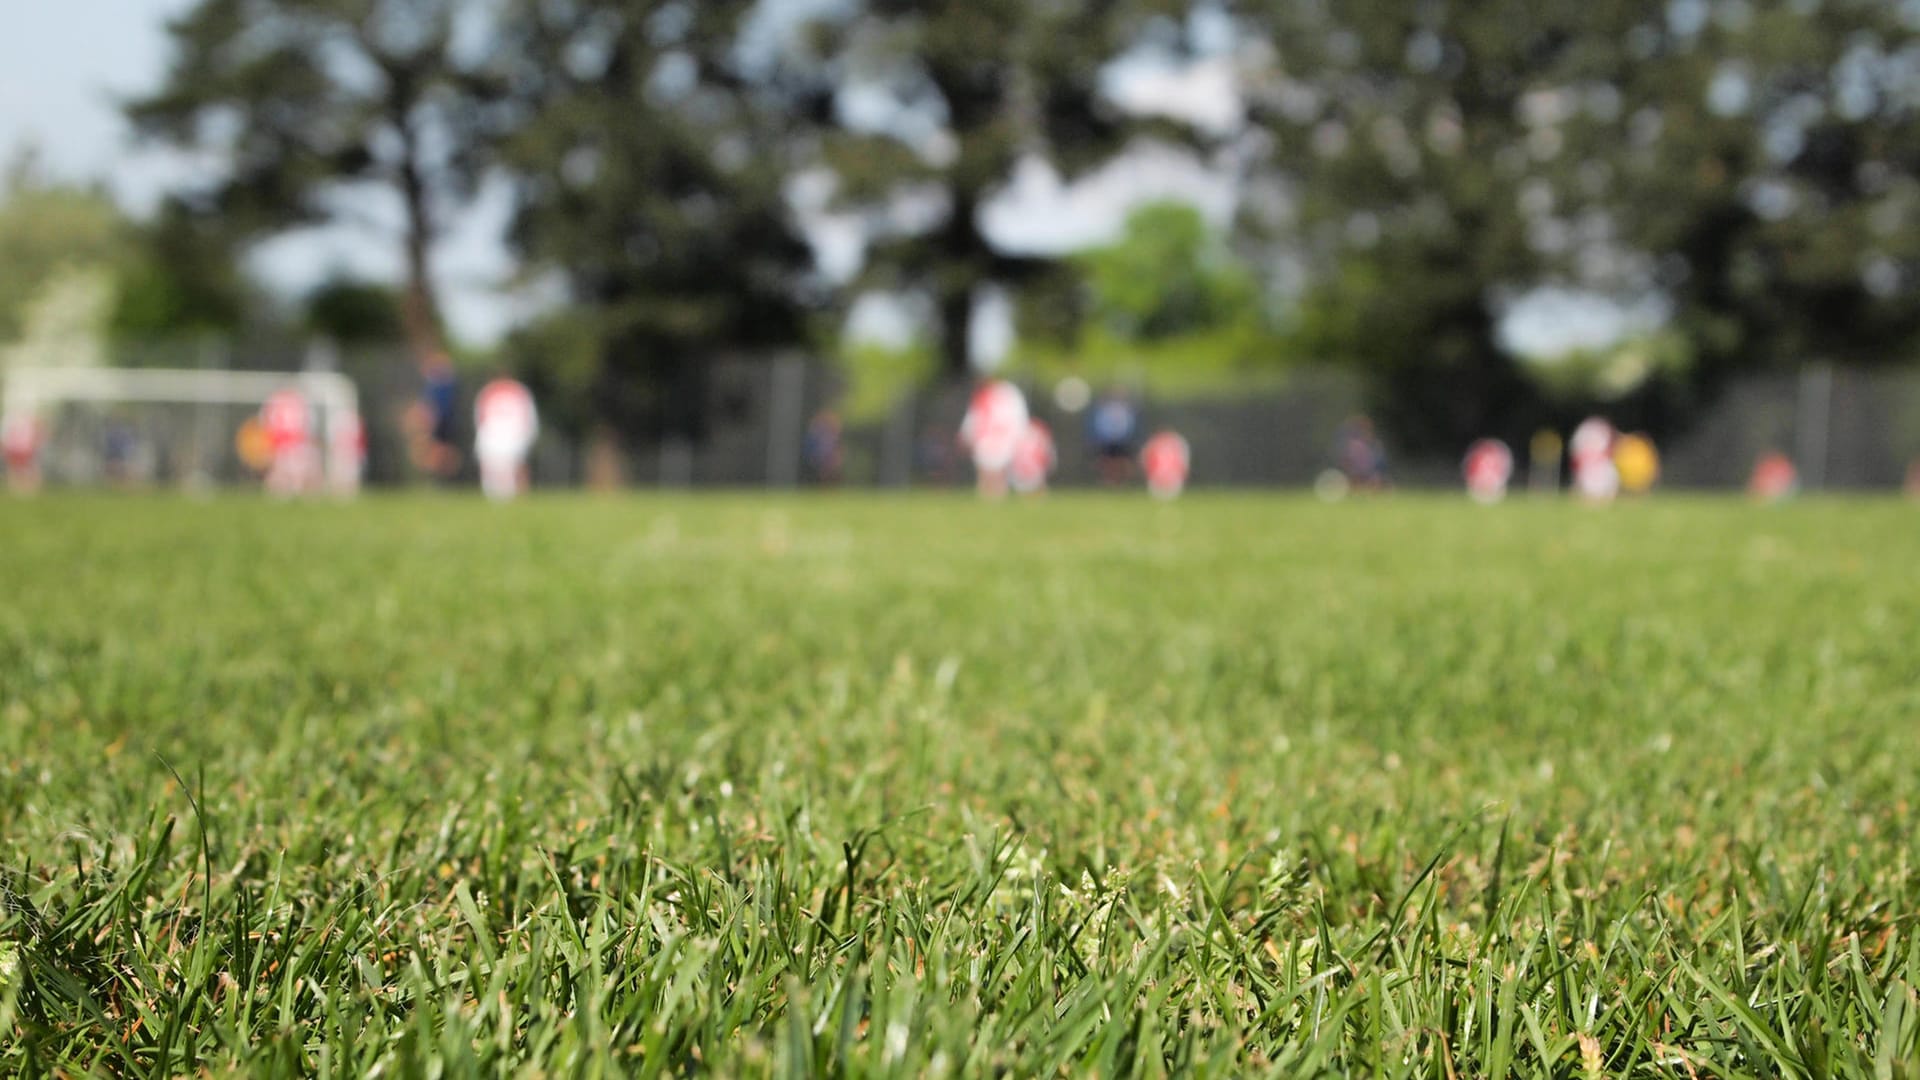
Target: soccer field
column 918, row 786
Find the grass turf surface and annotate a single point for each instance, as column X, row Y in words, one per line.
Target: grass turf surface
column 918, row 786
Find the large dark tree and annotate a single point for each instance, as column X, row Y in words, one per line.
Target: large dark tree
column 1748, row 164
column 301, row 101
column 1766, row 167
column 1419, row 149
column 972, row 85
column 650, row 159
column 181, row 278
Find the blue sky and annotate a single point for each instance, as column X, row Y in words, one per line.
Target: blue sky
column 62, row 63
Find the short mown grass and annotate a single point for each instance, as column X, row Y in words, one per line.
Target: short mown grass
column 915, row 786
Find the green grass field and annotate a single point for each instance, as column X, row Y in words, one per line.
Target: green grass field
column 859, row 786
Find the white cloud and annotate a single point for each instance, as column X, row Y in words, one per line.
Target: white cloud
column 1204, row 93
column 1039, row 212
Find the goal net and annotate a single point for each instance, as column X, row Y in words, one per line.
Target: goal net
column 298, row 433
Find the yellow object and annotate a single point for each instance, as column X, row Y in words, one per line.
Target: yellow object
column 253, row 445
column 1638, row 463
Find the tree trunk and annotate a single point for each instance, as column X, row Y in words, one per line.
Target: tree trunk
column 956, row 330
column 419, row 305
column 963, row 264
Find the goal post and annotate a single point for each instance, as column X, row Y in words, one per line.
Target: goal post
column 191, row 416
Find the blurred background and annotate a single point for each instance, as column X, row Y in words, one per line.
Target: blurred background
column 775, row 242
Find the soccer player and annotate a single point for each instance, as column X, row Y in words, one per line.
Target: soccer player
column 1165, row 459
column 20, row 437
column 505, row 424
column 429, row 420
column 1595, row 476
column 346, row 453
column 1033, row 459
column 996, row 418
column 1488, row 468
column 293, row 460
column 1110, row 428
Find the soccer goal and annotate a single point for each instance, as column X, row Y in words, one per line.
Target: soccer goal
column 145, row 427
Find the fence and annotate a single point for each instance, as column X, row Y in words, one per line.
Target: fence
column 1846, row 429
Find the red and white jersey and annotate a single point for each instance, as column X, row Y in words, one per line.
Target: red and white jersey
column 1591, row 452
column 504, row 422
column 19, row 433
column 996, row 419
column 1165, row 459
column 1488, row 467
column 507, row 405
column 1591, row 441
column 1774, row 477
column 20, row 437
column 347, row 436
column 1033, row 457
column 286, row 419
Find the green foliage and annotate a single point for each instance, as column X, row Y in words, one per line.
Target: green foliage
column 1742, row 161
column 1405, row 140
column 650, row 172
column 879, row 376
column 1168, row 276
column 918, row 786
column 976, row 85
column 303, row 98
column 49, row 230
column 353, row 312
column 1773, row 177
column 561, row 359
column 1580, row 376
column 1167, row 305
column 180, row 277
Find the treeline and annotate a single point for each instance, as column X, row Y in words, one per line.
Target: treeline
column 1406, row 172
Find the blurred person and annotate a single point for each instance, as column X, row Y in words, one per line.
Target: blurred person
column 1595, row 477
column 1637, row 461
column 996, row 419
column 505, row 425
column 1033, row 459
column 346, row 454
column 1360, row 455
column 429, row 420
column 121, row 446
column 825, row 456
column 292, row 459
column 1774, row 478
column 21, row 436
column 251, row 445
column 1543, row 464
column 1111, row 425
column 1488, row 467
column 933, row 455
column 1166, row 459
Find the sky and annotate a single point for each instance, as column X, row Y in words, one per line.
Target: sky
column 65, row 64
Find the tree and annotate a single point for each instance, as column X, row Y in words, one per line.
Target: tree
column 1168, row 276
column 1169, row 300
column 1749, row 165
column 304, row 101
column 964, row 89
column 180, row 277
column 48, row 229
column 1419, row 146
column 1768, row 179
column 350, row 312
column 649, row 158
